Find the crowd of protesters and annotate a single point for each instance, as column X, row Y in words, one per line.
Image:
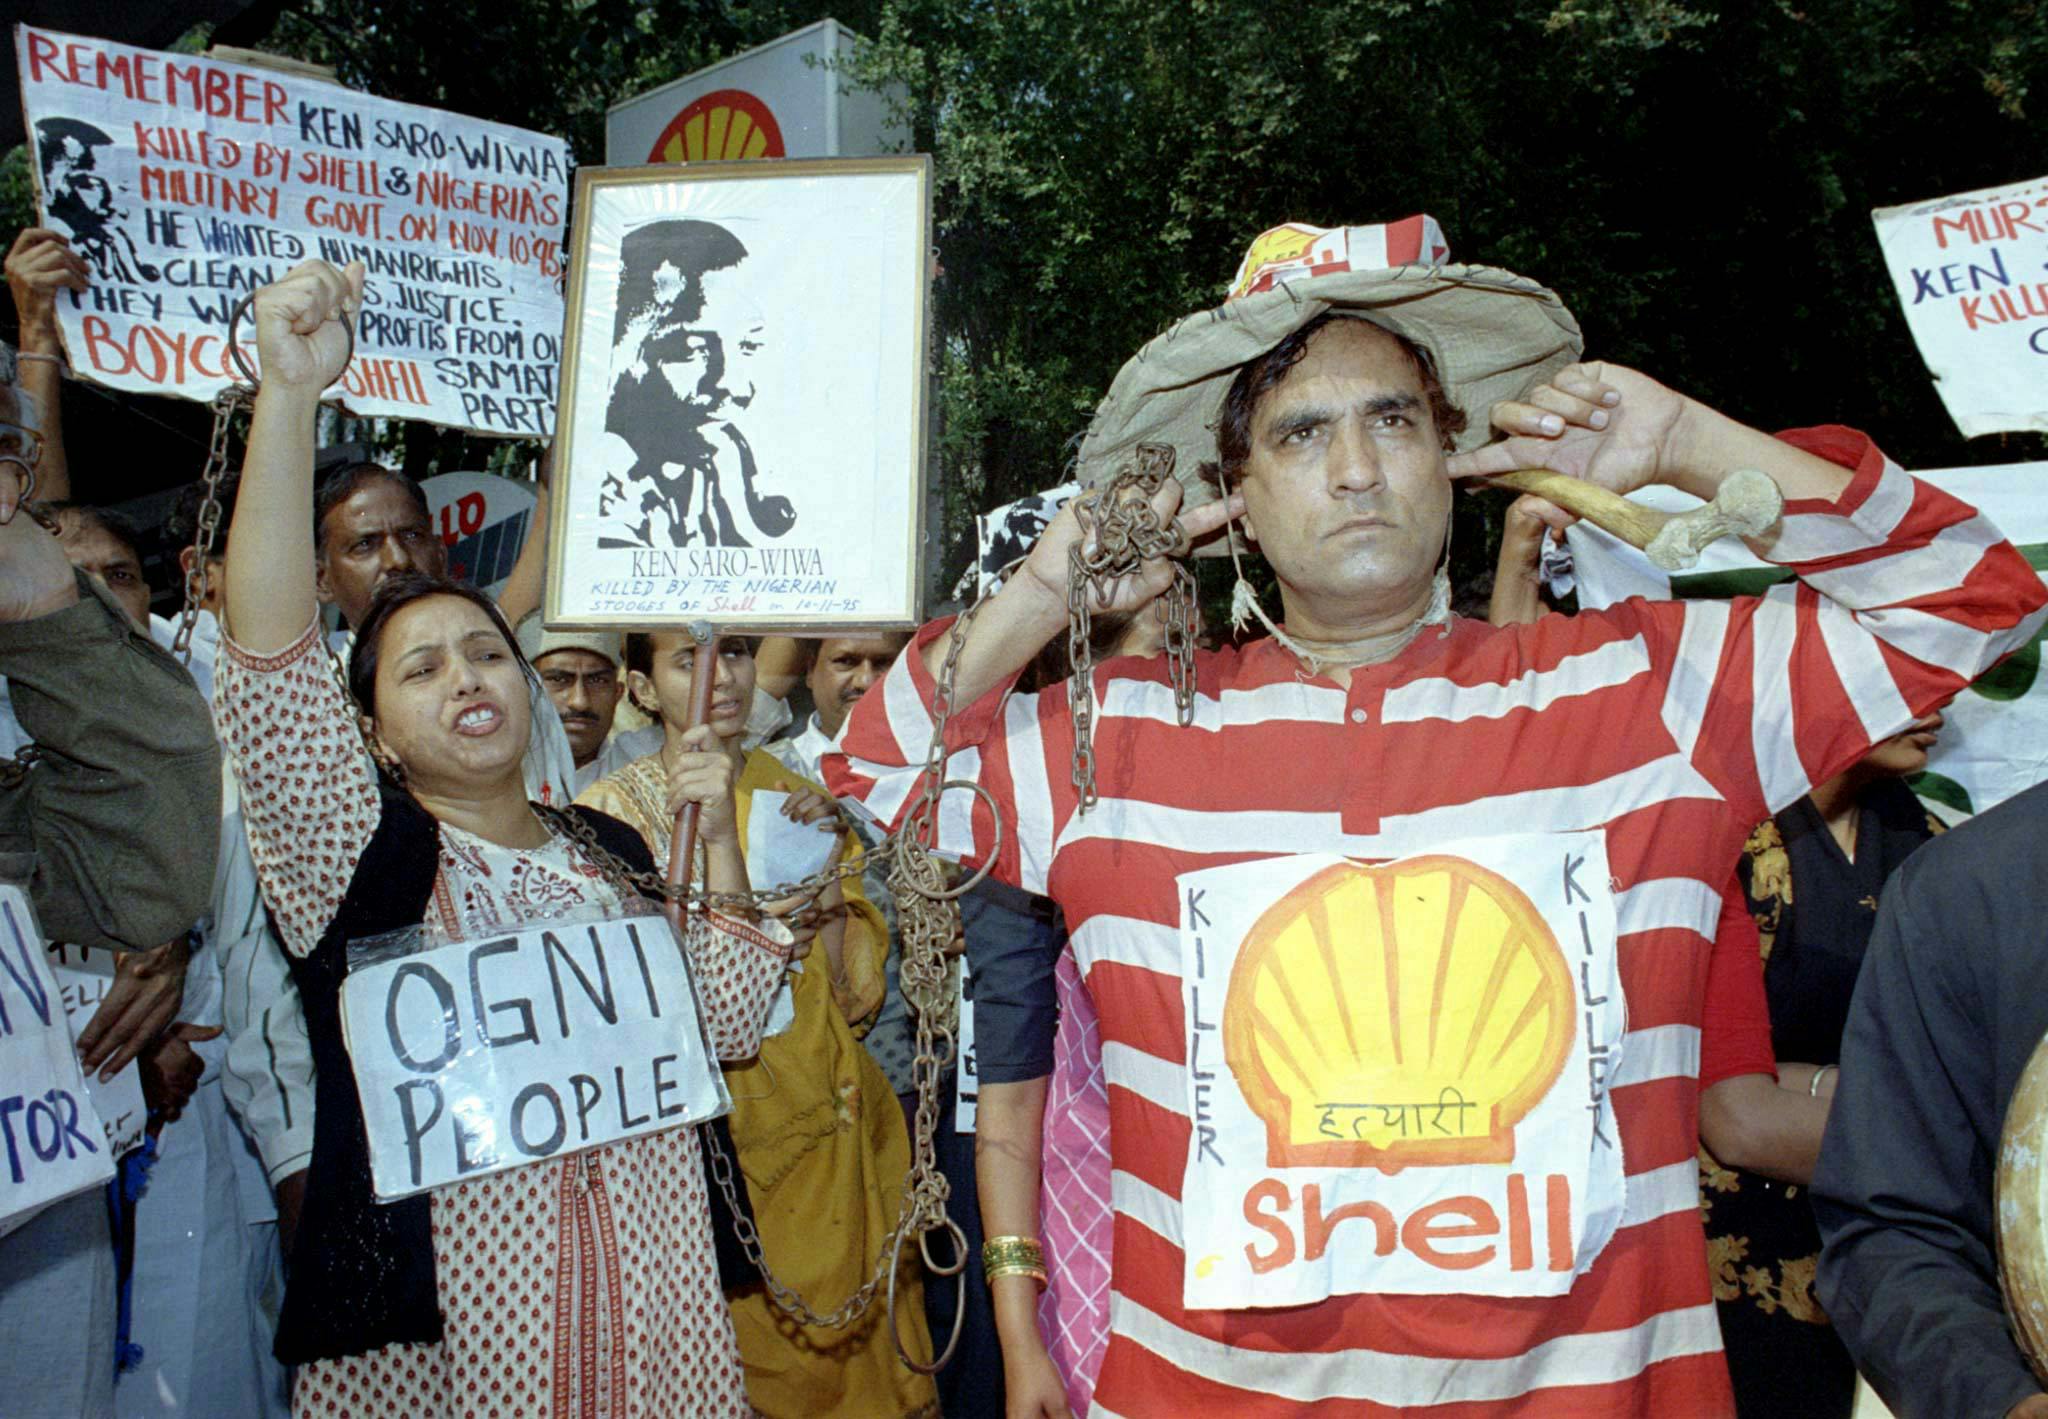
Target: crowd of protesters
column 358, row 745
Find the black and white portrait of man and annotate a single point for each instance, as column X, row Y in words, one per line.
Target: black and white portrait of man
column 688, row 346
column 1010, row 531
column 82, row 201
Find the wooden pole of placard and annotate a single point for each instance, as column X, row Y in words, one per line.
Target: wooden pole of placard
column 682, row 853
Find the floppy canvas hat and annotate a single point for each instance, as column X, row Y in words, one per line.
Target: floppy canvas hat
column 1494, row 336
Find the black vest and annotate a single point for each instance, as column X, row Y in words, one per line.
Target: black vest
column 361, row 1273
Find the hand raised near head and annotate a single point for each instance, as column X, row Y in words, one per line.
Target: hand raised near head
column 299, row 333
column 1601, row 422
column 1046, row 566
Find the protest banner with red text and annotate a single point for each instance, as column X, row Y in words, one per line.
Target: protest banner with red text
column 186, row 183
column 1972, row 273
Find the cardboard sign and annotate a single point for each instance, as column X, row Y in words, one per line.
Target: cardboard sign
column 84, row 976
column 186, row 183
column 1992, row 744
column 1398, row 1073
column 480, row 1056
column 483, row 521
column 1972, row 274
column 52, row 1143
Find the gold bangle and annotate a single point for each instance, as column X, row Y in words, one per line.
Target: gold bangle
column 1002, row 1256
column 1014, row 1268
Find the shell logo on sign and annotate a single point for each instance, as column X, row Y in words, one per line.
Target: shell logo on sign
column 1407, row 1015
column 721, row 126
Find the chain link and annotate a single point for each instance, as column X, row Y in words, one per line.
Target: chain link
column 916, row 1187
column 1120, row 532
column 225, row 405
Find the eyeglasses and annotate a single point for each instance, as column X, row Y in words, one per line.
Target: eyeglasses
column 20, row 444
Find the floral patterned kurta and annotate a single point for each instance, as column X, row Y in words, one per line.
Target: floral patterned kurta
column 584, row 1285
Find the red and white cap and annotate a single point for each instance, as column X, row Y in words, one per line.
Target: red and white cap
column 1293, row 252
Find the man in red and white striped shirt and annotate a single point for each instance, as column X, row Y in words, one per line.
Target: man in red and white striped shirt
column 1669, row 729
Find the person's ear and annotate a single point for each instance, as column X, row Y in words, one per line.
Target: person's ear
column 185, row 560
column 323, row 590
column 379, row 750
column 640, row 689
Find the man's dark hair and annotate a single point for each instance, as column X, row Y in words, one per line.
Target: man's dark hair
column 51, row 134
column 693, row 248
column 341, row 485
column 394, row 595
column 808, row 648
column 183, row 523
column 1262, row 376
column 116, row 525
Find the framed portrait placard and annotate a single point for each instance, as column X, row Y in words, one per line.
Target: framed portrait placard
column 742, row 429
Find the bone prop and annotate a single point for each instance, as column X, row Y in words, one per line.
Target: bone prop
column 1747, row 504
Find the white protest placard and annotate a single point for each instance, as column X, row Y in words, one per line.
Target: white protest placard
column 1995, row 741
column 53, row 1142
column 1972, row 273
column 483, row 521
column 186, row 183
column 480, row 1056
column 1398, row 1073
column 84, row 976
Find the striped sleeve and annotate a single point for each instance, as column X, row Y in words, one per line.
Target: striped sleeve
column 1003, row 743
column 1904, row 595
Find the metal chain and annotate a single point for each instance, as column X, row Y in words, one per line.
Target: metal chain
column 654, row 886
column 225, row 405
column 1120, row 533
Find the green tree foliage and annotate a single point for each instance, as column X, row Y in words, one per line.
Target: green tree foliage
column 1696, row 184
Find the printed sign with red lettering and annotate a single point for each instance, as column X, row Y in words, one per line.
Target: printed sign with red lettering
column 186, row 183
column 1972, row 274
column 483, row 521
column 1398, row 1073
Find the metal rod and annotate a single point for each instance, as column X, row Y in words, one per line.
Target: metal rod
column 682, row 854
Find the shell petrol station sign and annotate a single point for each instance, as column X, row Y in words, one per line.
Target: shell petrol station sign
column 786, row 99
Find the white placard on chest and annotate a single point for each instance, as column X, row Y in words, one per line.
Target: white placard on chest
column 484, row 1055
column 1398, row 1073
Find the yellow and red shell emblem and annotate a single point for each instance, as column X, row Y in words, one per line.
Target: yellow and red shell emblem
column 1397, row 1016
column 721, row 126
column 1277, row 246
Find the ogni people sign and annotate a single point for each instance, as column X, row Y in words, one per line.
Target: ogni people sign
column 743, row 407
column 187, row 183
column 478, row 1056
column 52, row 1143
